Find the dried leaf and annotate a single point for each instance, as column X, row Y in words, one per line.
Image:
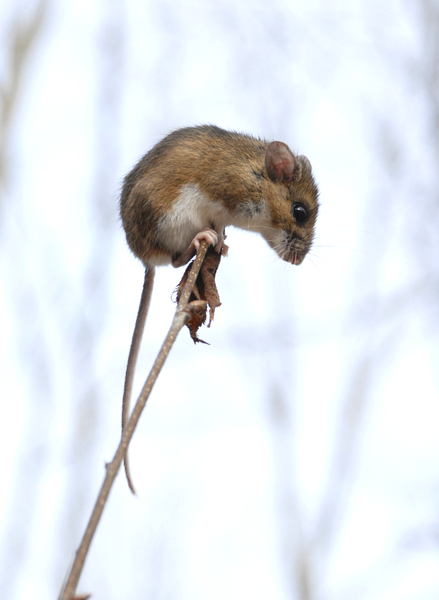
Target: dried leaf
column 197, row 309
column 204, row 290
column 208, row 272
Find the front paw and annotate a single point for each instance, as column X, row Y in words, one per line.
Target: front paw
column 208, row 234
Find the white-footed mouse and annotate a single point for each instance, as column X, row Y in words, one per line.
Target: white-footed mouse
column 196, row 182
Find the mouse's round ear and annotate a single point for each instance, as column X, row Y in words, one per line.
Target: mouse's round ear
column 305, row 163
column 280, row 162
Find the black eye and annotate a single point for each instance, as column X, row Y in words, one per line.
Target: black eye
column 300, row 213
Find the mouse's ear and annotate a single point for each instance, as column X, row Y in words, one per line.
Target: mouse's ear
column 305, row 163
column 280, row 162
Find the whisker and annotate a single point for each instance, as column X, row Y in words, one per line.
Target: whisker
column 330, row 264
column 340, row 254
column 310, row 259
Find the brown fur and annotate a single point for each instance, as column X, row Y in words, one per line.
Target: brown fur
column 229, row 168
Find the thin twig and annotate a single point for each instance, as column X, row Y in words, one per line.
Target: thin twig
column 182, row 315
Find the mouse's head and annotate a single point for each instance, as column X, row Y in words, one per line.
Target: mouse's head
column 292, row 197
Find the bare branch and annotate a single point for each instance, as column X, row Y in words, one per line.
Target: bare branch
column 181, row 317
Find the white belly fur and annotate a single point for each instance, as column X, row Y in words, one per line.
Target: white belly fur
column 191, row 212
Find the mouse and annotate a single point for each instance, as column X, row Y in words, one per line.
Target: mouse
column 193, row 184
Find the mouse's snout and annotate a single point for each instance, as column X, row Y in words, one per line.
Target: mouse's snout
column 296, row 259
column 288, row 246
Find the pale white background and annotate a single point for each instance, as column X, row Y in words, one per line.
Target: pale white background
column 297, row 456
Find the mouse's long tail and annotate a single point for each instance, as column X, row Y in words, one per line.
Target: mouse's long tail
column 132, row 357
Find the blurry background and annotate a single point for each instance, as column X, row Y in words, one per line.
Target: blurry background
column 297, row 456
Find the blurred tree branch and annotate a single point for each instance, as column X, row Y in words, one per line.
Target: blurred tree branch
column 84, row 333
column 23, row 35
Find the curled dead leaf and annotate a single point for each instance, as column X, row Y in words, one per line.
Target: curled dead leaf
column 204, row 290
column 197, row 310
